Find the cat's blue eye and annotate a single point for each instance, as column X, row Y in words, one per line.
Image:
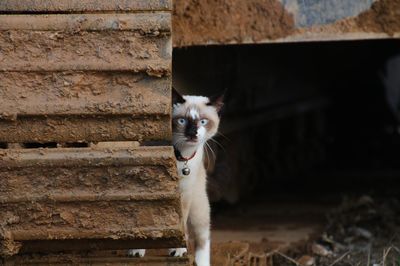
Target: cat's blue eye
column 203, row 122
column 181, row 121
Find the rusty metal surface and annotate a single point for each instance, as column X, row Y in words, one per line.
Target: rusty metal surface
column 267, row 21
column 122, row 198
column 86, row 77
column 42, row 6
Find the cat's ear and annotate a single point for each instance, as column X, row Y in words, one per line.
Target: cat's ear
column 217, row 101
column 176, row 97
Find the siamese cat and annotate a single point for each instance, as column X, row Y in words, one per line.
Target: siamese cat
column 195, row 120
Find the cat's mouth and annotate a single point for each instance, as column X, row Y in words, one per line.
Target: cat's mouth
column 192, row 140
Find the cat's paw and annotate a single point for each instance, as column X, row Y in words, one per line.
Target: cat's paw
column 136, row 253
column 177, row 252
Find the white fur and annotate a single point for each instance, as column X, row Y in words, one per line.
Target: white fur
column 195, row 99
column 194, row 113
column 201, row 132
column 177, row 252
column 176, row 105
column 136, row 252
column 202, row 255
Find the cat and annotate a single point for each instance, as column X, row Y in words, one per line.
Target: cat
column 195, row 120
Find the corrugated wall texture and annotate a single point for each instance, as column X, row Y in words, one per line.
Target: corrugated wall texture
column 86, row 71
column 97, row 260
column 46, row 6
column 113, row 198
column 86, row 77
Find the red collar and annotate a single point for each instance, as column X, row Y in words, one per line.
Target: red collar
column 180, row 158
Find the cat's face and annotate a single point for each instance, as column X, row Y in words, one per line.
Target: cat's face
column 195, row 119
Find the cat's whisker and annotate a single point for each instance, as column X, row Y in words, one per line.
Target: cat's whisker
column 208, row 158
column 212, row 151
column 178, row 143
column 176, row 135
column 218, row 143
column 222, row 135
column 180, row 140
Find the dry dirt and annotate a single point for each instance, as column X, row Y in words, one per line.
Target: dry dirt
column 382, row 17
column 362, row 231
column 254, row 230
column 359, row 231
column 224, row 21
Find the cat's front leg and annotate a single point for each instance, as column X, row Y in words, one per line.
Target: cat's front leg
column 136, row 252
column 199, row 218
column 186, row 201
column 202, row 255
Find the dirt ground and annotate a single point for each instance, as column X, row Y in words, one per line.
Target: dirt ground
column 358, row 231
column 253, row 231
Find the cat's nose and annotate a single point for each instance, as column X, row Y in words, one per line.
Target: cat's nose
column 191, row 132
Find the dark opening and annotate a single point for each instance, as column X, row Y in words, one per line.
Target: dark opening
column 36, row 145
column 76, row 145
column 306, row 126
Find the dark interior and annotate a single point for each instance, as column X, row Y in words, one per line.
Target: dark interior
column 310, row 146
column 301, row 119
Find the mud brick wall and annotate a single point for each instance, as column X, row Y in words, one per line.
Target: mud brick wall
column 86, row 71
